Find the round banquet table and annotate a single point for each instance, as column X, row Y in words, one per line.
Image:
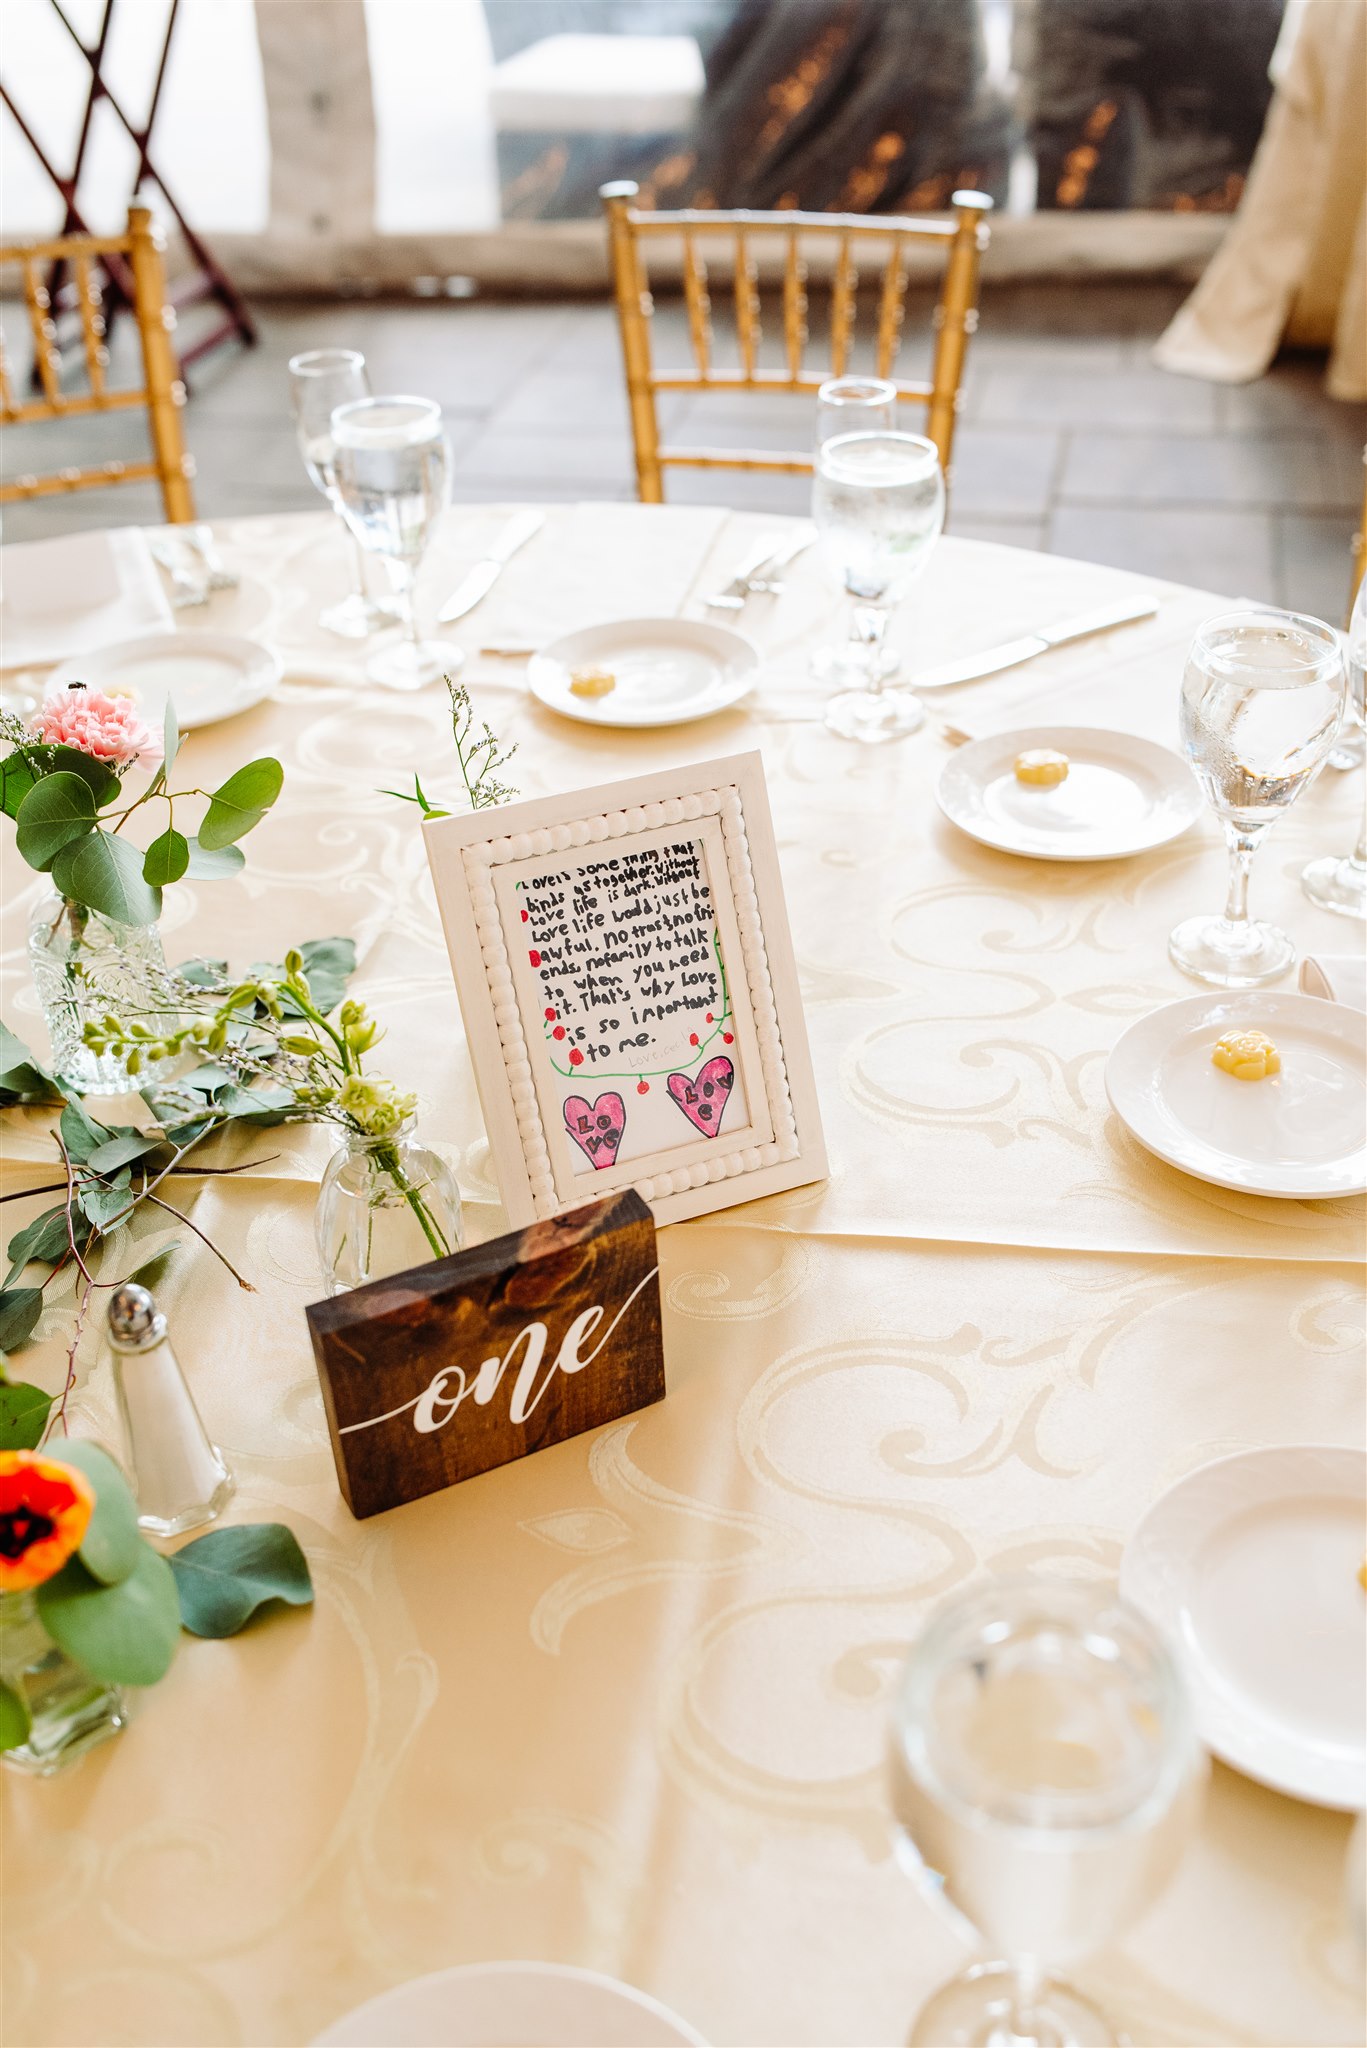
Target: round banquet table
column 624, row 1703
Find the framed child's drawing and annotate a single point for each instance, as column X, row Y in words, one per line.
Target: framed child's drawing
column 626, row 976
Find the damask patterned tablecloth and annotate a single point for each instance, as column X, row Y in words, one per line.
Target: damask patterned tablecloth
column 624, row 1704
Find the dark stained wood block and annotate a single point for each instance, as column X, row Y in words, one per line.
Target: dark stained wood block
column 431, row 1376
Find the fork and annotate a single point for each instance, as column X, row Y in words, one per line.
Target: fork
column 187, row 589
column 201, row 538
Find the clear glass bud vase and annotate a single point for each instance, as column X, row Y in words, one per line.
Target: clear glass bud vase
column 68, row 1710
column 84, row 966
column 385, row 1204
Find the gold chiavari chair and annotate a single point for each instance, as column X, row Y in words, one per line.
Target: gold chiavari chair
column 956, row 316
column 162, row 393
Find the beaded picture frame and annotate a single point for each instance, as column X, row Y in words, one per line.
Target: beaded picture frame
column 625, row 972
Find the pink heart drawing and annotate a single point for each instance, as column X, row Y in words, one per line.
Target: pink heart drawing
column 596, row 1127
column 703, row 1101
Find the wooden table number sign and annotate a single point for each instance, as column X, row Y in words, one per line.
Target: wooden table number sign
column 433, row 1375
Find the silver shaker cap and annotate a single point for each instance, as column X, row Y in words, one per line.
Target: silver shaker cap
column 135, row 1322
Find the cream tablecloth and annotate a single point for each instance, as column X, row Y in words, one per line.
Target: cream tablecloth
column 624, row 1704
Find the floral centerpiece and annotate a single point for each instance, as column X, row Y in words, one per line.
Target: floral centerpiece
column 66, row 781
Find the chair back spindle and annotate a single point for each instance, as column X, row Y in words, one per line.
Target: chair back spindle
column 851, row 236
column 161, row 394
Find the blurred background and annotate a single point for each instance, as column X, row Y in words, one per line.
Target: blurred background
column 418, row 178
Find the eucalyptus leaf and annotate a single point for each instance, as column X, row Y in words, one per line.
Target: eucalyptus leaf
column 18, row 773
column 240, row 802
column 14, row 1719
column 111, row 1546
column 20, row 1308
column 104, row 1201
column 208, row 973
column 23, row 1415
column 166, row 859
column 103, row 783
column 105, row 874
column 125, row 1145
column 124, row 1634
column 21, row 1077
column 153, row 1261
column 224, row 1577
column 212, row 864
column 44, row 1241
column 80, row 1132
column 57, row 812
column 328, row 964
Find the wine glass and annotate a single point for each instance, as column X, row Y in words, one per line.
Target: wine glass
column 1045, row 1769
column 321, row 379
column 855, row 405
column 393, row 469
column 878, row 501
column 1341, row 885
column 1262, row 697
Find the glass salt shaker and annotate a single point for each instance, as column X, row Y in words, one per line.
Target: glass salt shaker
column 181, row 1480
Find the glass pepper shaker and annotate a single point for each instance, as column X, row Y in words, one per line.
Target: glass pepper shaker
column 181, row 1480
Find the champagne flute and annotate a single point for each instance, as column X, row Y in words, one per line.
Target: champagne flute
column 1046, row 1770
column 878, row 501
column 1341, row 885
column 1262, row 697
column 855, row 405
column 321, row 379
column 392, row 465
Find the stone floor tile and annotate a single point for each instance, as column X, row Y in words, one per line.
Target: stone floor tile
column 1136, row 398
column 1228, row 551
column 1004, row 472
column 1314, row 554
column 1152, row 469
column 520, row 458
column 745, row 490
column 1290, row 399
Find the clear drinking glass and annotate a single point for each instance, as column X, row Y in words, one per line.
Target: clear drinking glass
column 855, row 405
column 878, row 501
column 1341, row 885
column 1046, row 1771
column 1262, row 697
column 392, row 465
column 320, row 380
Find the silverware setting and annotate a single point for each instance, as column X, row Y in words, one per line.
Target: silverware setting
column 971, row 668
column 481, row 579
column 201, row 539
column 754, row 577
column 188, row 588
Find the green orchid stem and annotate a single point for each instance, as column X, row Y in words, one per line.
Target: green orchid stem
column 388, row 1156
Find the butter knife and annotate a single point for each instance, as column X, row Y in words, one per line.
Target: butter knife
column 974, row 666
column 484, row 575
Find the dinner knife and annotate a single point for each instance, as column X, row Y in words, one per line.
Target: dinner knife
column 483, row 576
column 974, row 666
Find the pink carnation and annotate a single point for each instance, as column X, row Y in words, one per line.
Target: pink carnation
column 107, row 727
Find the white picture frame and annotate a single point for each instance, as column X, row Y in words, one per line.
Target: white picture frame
column 589, row 1075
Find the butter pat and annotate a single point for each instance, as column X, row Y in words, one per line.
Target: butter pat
column 1248, row 1055
column 1042, row 766
column 591, row 682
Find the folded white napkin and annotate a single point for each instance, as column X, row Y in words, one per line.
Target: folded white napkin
column 77, row 594
column 1342, row 977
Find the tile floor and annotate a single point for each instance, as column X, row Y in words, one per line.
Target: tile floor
column 1071, row 440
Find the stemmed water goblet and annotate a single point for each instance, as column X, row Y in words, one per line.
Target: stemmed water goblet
column 321, row 379
column 1262, row 697
column 855, row 405
column 392, row 466
column 1341, row 884
column 1046, row 1772
column 878, row 501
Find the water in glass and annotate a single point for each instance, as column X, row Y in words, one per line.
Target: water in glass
column 391, row 467
column 1046, row 1771
column 879, row 505
column 1262, row 697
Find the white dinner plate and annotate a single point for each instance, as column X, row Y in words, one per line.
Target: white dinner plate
column 668, row 671
column 1250, row 1566
column 1122, row 795
column 207, row 676
column 511, row 2005
column 1300, row 1134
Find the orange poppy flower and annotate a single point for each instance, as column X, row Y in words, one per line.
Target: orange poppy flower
column 45, row 1510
